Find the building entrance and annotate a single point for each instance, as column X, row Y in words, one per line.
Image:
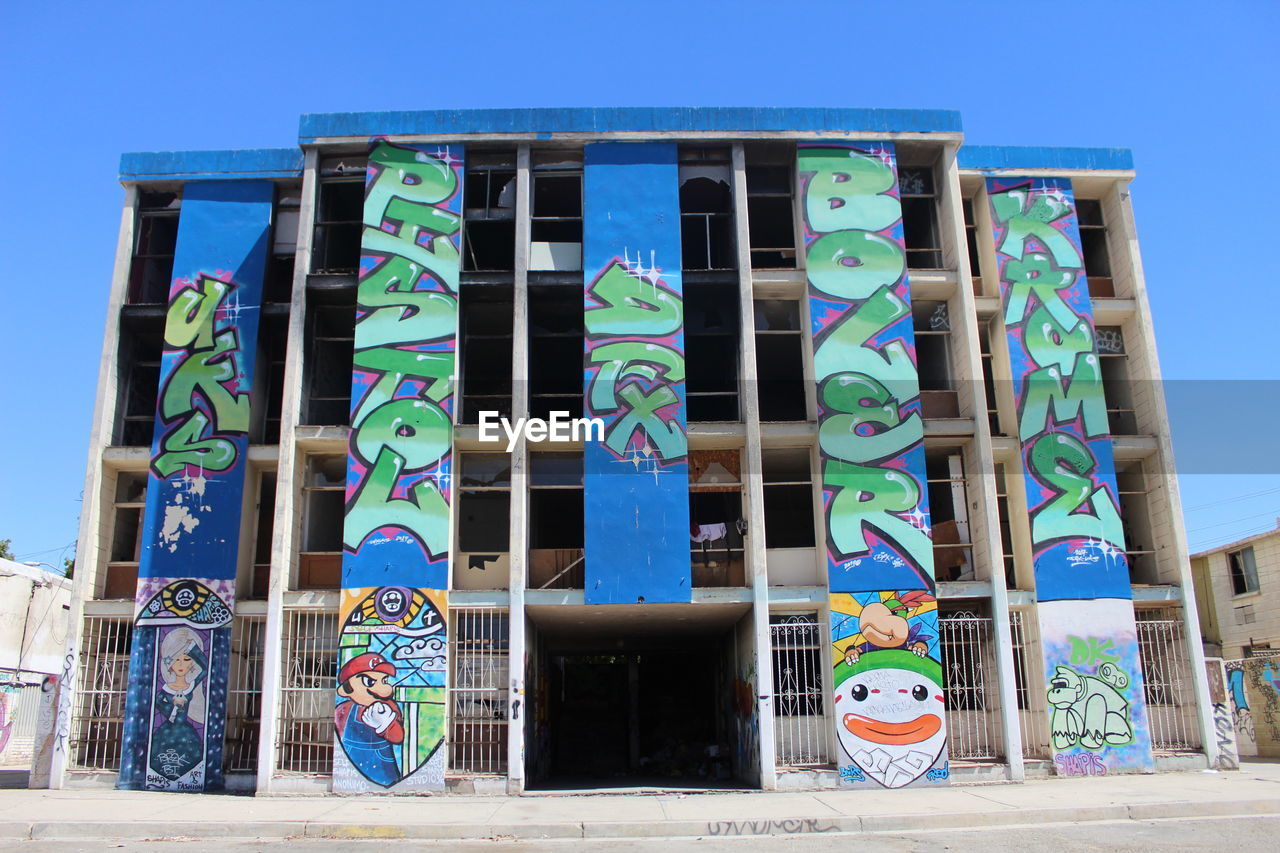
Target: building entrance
column 646, row 698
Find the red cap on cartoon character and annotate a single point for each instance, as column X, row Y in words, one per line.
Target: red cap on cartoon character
column 369, row 662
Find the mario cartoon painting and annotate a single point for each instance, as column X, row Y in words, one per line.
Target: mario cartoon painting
column 369, row 722
column 889, row 624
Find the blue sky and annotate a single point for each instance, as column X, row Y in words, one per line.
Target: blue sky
column 1190, row 88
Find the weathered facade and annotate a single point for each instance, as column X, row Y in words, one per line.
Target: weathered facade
column 866, row 492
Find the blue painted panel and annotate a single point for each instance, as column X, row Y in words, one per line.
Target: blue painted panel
column 636, row 481
column 211, row 165
column 641, row 119
column 175, row 707
column 998, row 157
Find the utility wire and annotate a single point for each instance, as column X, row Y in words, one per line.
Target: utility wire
column 1231, row 500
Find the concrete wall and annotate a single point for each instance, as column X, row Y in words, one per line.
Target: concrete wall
column 1263, row 606
column 34, row 619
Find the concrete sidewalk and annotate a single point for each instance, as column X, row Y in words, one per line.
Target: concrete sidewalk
column 107, row 814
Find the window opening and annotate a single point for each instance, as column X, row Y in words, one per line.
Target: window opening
column 1113, row 364
column 141, row 348
column 263, row 534
column 1244, row 571
column 780, row 360
column 989, row 376
column 273, row 337
column 556, row 226
column 706, row 209
column 556, row 521
column 788, row 498
column 555, row 350
column 129, row 506
column 1131, row 483
column 920, row 218
column 155, row 240
column 485, row 319
column 484, row 505
column 323, row 510
column 277, row 284
column 339, row 215
column 770, row 174
column 489, row 200
column 948, row 514
column 715, row 518
column 971, row 243
column 932, row 323
column 1093, row 245
column 331, row 333
column 1006, row 531
column 711, row 351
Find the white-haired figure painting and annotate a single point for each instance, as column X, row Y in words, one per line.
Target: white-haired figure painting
column 177, row 740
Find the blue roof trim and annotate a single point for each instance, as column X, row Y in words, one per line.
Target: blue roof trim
column 211, row 165
column 997, row 158
column 314, row 126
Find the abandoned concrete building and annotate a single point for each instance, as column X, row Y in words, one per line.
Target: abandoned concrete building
column 875, row 499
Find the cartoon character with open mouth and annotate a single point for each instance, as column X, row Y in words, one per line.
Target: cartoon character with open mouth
column 890, row 713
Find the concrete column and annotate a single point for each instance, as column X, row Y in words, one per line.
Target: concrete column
column 284, row 531
column 87, row 545
column 754, row 544
column 518, row 542
column 971, row 376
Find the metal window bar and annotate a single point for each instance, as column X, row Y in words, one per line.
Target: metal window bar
column 103, row 678
column 973, row 710
column 1167, row 680
column 478, row 661
column 244, row 694
column 1031, row 722
column 800, row 722
column 310, row 671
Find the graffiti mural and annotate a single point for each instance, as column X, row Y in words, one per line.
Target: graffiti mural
column 389, row 710
column 890, row 703
column 1254, row 684
column 1241, row 716
column 636, row 486
column 888, row 672
column 1077, row 540
column 1094, row 688
column 175, row 707
column 1223, row 722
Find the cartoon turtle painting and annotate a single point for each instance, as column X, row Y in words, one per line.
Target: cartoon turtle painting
column 891, row 714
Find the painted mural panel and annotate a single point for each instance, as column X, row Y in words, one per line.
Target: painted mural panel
column 1094, row 688
column 389, row 711
column 636, row 486
column 1241, row 713
column 1255, row 694
column 887, row 664
column 1077, row 537
column 175, row 709
column 1223, row 720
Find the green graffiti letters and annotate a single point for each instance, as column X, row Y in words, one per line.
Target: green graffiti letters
column 199, row 392
column 864, row 385
column 1063, row 462
column 1087, row 651
column 634, row 381
column 407, row 302
column 1027, row 214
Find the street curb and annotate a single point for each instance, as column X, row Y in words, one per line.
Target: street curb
column 840, row 824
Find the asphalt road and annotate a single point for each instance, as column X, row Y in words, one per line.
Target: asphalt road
column 1236, row 834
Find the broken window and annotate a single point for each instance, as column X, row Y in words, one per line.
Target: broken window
column 1244, row 574
column 1093, row 244
column 1113, row 364
column 323, row 512
column 948, row 514
column 1139, row 545
column 770, row 173
column 556, row 227
column 780, row 360
column 339, row 215
column 1006, row 531
column 920, row 218
column 988, row 375
column 489, row 201
column 932, row 323
column 485, row 320
column 155, row 239
column 277, row 285
column 971, row 242
column 556, row 521
column 484, row 503
column 330, row 352
column 715, row 518
column 555, row 350
column 128, row 508
column 264, row 529
column 706, row 209
column 788, row 497
column 273, row 337
column 711, row 351
column 141, row 348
